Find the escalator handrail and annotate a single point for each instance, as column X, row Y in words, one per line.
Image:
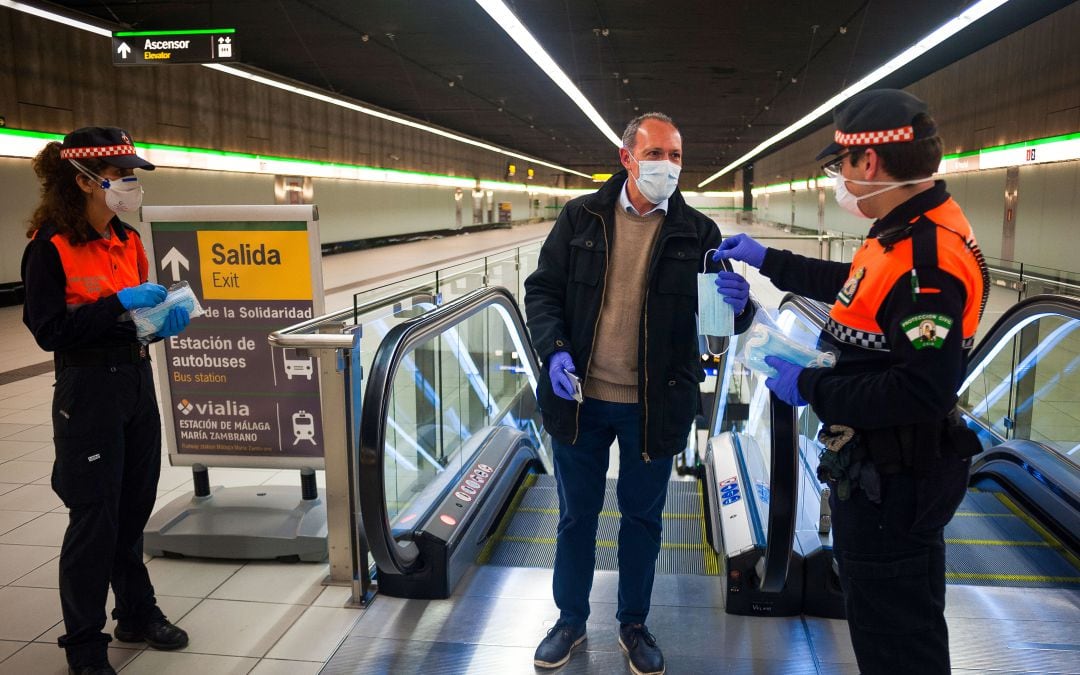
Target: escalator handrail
column 1065, row 305
column 783, row 495
column 391, row 556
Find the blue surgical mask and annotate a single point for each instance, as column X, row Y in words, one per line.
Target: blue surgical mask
column 715, row 317
column 763, row 341
column 657, row 179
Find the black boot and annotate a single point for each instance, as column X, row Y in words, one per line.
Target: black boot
column 159, row 634
column 641, row 650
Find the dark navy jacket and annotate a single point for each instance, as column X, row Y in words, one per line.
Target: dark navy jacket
column 563, row 298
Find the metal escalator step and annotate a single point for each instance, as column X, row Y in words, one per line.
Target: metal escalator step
column 528, row 540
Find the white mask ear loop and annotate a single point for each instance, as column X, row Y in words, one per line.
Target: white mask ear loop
column 704, row 265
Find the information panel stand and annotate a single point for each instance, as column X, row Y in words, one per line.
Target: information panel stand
column 227, row 398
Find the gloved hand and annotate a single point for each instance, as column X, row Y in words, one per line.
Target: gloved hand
column 734, row 288
column 741, row 247
column 175, row 322
column 143, row 295
column 557, row 363
column 786, row 383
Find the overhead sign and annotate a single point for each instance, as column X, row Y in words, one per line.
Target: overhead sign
column 148, row 48
column 230, row 399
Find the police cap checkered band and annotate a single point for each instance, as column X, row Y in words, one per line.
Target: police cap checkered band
column 877, row 117
column 109, row 144
column 901, row 135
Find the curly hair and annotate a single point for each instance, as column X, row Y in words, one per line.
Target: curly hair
column 63, row 203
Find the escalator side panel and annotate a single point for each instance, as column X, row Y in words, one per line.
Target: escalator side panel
column 452, row 538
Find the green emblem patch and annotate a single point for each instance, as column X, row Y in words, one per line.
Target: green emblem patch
column 927, row 330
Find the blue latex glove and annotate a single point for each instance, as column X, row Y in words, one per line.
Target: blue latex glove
column 562, row 385
column 734, row 288
column 143, row 295
column 175, row 322
column 786, row 383
column 741, row 247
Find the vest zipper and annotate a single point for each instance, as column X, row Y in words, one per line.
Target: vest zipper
column 596, row 324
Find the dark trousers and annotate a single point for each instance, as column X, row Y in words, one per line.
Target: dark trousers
column 641, row 490
column 107, row 434
column 892, row 568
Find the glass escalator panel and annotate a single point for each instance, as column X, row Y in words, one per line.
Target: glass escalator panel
column 468, row 377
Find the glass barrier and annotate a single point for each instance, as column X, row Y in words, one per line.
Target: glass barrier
column 1028, row 387
column 470, row 376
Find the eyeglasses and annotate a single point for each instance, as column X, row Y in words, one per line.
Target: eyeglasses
column 832, row 167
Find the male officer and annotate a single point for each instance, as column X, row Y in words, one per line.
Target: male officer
column 904, row 317
column 613, row 301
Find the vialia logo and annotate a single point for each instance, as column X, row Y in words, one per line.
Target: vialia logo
column 226, row 408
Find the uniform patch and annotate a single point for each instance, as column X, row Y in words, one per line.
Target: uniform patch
column 927, row 330
column 847, row 293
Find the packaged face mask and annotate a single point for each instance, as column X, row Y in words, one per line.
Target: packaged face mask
column 764, row 340
column 149, row 320
column 715, row 317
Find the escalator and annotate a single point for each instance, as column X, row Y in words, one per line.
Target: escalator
column 1020, row 522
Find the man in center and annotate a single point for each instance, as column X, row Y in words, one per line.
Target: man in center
column 613, row 302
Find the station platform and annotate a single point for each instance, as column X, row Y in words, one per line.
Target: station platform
column 270, row 618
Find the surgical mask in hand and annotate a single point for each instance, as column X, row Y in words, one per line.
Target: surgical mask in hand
column 763, row 340
column 657, row 179
column 149, row 320
column 715, row 317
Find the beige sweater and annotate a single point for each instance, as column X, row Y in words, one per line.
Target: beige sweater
column 613, row 371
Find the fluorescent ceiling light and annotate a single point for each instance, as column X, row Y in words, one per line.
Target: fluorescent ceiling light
column 58, row 18
column 303, row 91
column 521, row 35
column 954, row 26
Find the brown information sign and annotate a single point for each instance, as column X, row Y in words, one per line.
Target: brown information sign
column 234, row 399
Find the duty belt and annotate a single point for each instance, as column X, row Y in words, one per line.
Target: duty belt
column 102, row 356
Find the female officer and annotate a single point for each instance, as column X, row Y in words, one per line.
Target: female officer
column 82, row 270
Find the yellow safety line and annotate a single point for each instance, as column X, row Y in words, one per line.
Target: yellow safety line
column 1001, row 542
column 1039, row 529
column 508, row 515
column 1011, row 577
column 712, row 564
column 603, row 543
column 612, row 514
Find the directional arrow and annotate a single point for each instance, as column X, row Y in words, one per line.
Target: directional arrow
column 177, row 260
column 123, row 50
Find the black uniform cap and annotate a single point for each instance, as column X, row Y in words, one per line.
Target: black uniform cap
column 876, row 117
column 109, row 144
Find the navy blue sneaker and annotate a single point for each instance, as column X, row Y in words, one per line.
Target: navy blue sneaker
column 641, row 650
column 556, row 648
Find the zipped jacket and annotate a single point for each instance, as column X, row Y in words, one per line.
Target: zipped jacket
column 565, row 296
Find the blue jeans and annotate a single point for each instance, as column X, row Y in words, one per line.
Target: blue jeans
column 642, row 489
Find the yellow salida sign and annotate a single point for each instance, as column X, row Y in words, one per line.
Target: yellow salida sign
column 255, row 265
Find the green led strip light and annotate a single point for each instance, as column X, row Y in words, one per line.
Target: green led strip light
column 154, row 33
column 244, row 155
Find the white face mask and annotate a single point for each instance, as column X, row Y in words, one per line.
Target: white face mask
column 122, row 195
column 850, row 202
column 657, row 179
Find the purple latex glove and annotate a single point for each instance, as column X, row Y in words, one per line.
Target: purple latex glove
column 786, row 383
column 734, row 288
column 557, row 363
column 741, row 247
column 175, row 322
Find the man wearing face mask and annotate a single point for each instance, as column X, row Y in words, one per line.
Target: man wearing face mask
column 613, row 302
column 83, row 270
column 903, row 319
